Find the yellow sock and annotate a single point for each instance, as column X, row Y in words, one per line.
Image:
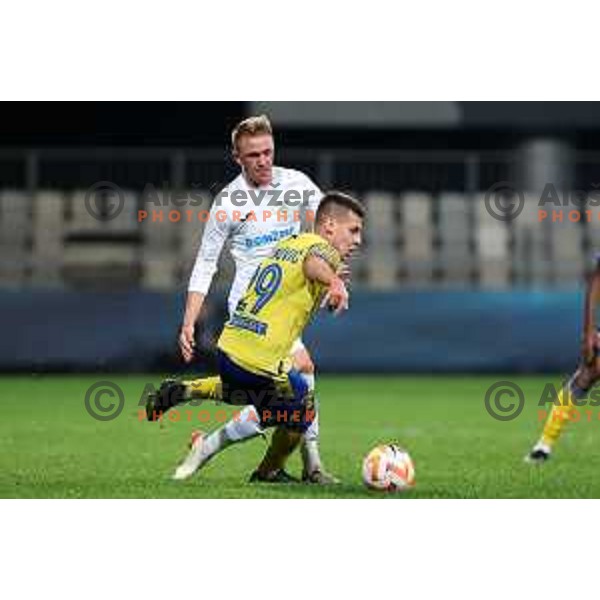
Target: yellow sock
column 206, row 388
column 558, row 416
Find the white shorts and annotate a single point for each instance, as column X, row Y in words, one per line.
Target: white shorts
column 296, row 346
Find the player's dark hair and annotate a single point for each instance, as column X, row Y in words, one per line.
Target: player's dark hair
column 334, row 200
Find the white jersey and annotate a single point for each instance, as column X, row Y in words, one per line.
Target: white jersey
column 254, row 220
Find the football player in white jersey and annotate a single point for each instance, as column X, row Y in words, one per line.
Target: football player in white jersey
column 259, row 208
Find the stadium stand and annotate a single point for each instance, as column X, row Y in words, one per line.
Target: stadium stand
column 428, row 224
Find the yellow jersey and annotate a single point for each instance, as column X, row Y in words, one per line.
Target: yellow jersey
column 277, row 305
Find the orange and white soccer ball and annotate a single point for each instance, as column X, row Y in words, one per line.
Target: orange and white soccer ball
column 389, row 468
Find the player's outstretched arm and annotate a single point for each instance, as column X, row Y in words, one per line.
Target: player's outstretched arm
column 216, row 233
column 318, row 269
column 592, row 298
column 193, row 307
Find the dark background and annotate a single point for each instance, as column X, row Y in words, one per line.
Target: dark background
column 458, row 308
column 207, row 124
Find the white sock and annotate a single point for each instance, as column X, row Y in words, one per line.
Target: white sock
column 543, row 447
column 312, row 433
column 310, row 441
column 243, row 427
column 310, row 456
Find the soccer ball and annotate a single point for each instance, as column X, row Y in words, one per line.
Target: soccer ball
column 388, row 468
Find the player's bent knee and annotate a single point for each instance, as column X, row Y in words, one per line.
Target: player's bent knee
column 293, row 412
column 296, row 419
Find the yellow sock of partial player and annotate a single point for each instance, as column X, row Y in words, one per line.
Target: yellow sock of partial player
column 206, row 388
column 558, row 417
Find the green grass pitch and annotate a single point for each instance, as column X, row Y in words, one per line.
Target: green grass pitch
column 51, row 448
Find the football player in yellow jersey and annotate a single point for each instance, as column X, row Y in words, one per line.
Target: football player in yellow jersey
column 254, row 348
column 280, row 299
column 577, row 388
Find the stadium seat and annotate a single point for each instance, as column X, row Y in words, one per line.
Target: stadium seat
column 532, row 258
column 127, row 220
column 15, row 233
column 416, row 209
column 529, row 216
column 382, row 225
column 381, row 233
column 81, row 219
column 159, row 247
column 454, row 211
column 567, row 247
column 492, row 239
column 415, row 240
column 455, row 257
column 417, row 256
column 492, row 242
column 48, row 242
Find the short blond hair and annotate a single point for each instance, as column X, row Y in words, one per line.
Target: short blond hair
column 251, row 126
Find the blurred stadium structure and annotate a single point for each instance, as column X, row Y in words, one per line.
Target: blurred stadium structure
column 428, row 223
column 429, row 233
